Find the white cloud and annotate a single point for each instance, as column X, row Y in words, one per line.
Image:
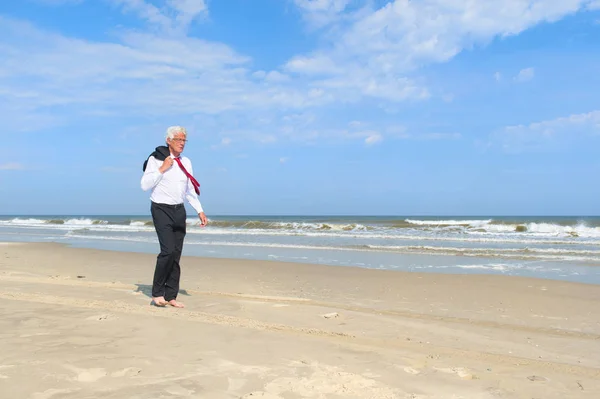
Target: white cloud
column 397, row 130
column 550, row 134
column 320, row 13
column 11, row 166
column 283, row 159
column 368, row 53
column 317, row 6
column 373, row 138
column 525, row 75
column 276, row 77
column 146, row 11
column 594, row 5
column 185, row 11
column 317, row 64
column 401, row 134
column 375, row 132
column 188, row 10
column 497, row 76
column 376, row 53
column 225, row 141
column 143, row 73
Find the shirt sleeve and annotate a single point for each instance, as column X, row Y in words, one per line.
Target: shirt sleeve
column 151, row 175
column 190, row 192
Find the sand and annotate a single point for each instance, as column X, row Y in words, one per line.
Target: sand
column 77, row 323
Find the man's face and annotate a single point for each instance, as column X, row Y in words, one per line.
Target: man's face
column 178, row 142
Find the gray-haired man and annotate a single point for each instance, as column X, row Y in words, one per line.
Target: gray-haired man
column 172, row 183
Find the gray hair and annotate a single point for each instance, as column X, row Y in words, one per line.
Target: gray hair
column 173, row 130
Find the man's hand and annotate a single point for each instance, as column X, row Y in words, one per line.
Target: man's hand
column 167, row 163
column 203, row 220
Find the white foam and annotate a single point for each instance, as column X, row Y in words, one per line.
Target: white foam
column 319, row 226
column 500, row 228
column 220, row 243
column 45, row 223
column 579, row 230
column 455, row 231
column 72, row 234
column 419, row 236
column 482, row 227
column 541, row 230
column 507, row 253
column 512, row 253
column 492, row 266
column 474, row 223
column 501, row 267
column 510, row 268
column 525, row 250
column 82, row 222
column 18, row 221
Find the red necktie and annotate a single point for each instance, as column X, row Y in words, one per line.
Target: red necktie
column 194, row 181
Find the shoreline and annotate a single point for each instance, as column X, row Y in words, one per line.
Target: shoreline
column 557, row 249
column 380, row 283
column 109, row 246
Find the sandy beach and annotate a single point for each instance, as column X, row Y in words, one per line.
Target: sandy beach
column 77, row 323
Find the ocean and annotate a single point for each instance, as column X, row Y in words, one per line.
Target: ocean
column 562, row 248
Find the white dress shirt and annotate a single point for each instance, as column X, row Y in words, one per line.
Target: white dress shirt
column 171, row 187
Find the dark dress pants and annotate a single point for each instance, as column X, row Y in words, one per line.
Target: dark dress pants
column 169, row 223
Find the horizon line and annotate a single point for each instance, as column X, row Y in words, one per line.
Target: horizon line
column 315, row 215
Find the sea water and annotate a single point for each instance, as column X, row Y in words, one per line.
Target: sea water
column 564, row 248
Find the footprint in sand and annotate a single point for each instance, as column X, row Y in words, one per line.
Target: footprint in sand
column 87, row 375
column 91, row 375
column 261, row 394
column 459, row 371
column 101, row 317
column 317, row 380
column 410, row 370
column 179, row 391
column 49, row 393
column 536, row 378
column 37, row 334
column 235, row 384
column 127, row 372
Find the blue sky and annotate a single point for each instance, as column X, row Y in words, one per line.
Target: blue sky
column 430, row 107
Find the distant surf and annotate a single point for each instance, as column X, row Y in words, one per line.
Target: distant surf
column 556, row 243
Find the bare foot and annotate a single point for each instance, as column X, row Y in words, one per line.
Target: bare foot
column 159, row 301
column 176, row 304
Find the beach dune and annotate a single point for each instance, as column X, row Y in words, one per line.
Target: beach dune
column 77, row 323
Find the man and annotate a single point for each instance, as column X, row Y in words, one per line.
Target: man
column 171, row 182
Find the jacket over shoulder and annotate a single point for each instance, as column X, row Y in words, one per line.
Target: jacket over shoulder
column 160, row 153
